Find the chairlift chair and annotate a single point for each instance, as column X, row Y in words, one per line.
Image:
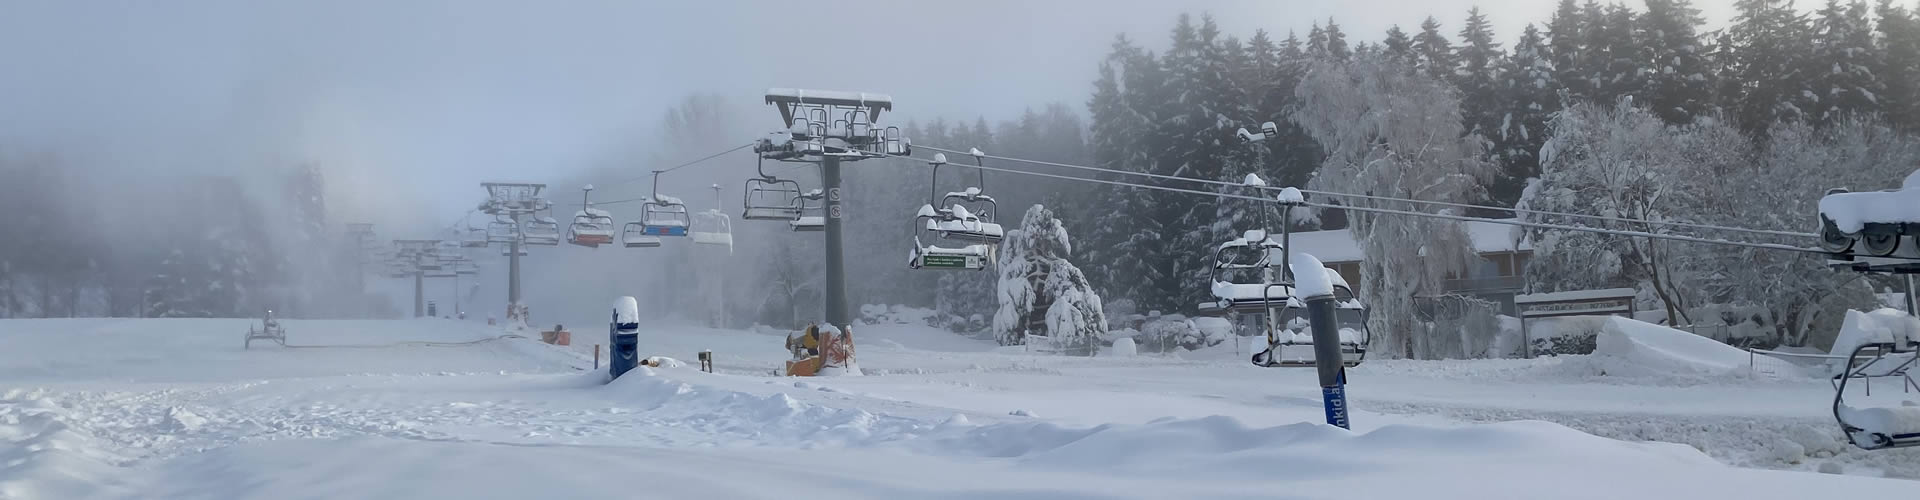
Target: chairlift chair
column 961, row 223
column 812, row 212
column 771, row 198
column 591, row 228
column 473, row 237
column 712, row 227
column 1289, row 334
column 634, row 235
column 1292, row 344
column 502, row 230
column 923, row 256
column 542, row 231
column 1879, row 428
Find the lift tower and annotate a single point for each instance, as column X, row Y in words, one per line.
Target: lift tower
column 830, row 127
column 514, row 200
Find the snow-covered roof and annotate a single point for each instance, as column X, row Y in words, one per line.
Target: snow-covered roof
column 1338, row 246
column 829, row 97
column 1607, row 293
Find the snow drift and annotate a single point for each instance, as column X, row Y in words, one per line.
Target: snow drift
column 1882, row 325
column 1632, row 348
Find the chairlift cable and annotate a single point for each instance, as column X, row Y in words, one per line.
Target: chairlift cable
column 1510, row 222
column 688, row 164
column 1516, row 211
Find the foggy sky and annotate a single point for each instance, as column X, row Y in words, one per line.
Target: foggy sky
column 408, row 105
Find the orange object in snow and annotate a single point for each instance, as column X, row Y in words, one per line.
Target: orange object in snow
column 816, row 348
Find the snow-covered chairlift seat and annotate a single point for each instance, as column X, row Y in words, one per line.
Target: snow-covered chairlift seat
column 543, row 231
column 664, row 216
column 634, row 235
column 712, row 227
column 772, row 199
column 1874, row 428
column 591, row 228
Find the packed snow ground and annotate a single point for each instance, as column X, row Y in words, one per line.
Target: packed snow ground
column 435, row 408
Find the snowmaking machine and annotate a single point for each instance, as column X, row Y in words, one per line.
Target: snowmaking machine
column 821, row 350
column 1877, row 232
column 269, row 330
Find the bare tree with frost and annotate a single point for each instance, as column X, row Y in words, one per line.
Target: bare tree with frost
column 1389, row 131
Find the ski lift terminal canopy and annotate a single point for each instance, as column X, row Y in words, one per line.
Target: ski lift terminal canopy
column 789, row 99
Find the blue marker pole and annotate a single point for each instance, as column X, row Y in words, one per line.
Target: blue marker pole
column 1327, row 359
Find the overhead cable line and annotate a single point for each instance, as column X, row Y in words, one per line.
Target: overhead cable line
column 1516, row 211
column 1509, row 222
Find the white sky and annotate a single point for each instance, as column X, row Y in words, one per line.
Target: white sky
column 423, row 99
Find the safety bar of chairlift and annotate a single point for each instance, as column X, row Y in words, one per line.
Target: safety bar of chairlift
column 1878, row 440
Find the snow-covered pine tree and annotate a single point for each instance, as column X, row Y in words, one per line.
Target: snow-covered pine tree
column 1679, row 84
column 1899, row 46
column 1771, row 48
column 1126, row 236
column 1530, row 94
column 1041, row 292
column 1337, row 47
column 1566, row 46
column 1614, row 68
column 1478, row 76
column 1432, row 53
column 1845, row 65
column 1397, row 45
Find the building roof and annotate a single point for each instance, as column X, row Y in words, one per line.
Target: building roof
column 1338, row 246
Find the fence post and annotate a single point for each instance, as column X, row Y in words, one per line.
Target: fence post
column 596, row 356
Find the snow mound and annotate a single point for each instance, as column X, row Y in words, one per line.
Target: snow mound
column 1124, row 347
column 1632, row 348
column 1890, row 421
column 626, row 311
column 1882, row 325
column 45, row 453
column 1310, row 277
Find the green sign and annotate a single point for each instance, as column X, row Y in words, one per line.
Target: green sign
column 950, row 262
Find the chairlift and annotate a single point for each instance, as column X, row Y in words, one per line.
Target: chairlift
column 923, row 256
column 1879, row 428
column 812, row 210
column 1247, row 279
column 473, row 237
column 965, row 216
column 712, row 227
column 542, row 230
column 634, row 235
column 502, row 230
column 894, row 142
column 591, row 227
column 771, row 198
column 663, row 215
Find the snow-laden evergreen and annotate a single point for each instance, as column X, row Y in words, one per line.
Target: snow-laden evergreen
column 1041, row 292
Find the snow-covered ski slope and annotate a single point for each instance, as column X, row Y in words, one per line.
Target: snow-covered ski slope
column 445, row 409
